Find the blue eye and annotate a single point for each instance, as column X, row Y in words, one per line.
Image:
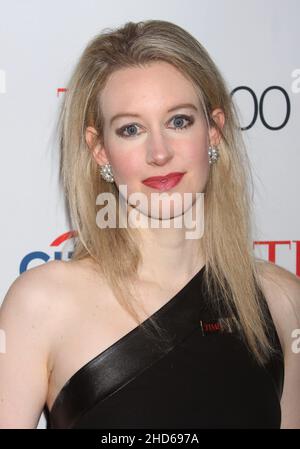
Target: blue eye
column 178, row 119
column 129, row 129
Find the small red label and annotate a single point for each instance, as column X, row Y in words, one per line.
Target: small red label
column 211, row 327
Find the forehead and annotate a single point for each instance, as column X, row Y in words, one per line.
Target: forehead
column 158, row 84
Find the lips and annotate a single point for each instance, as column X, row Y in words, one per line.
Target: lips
column 164, row 182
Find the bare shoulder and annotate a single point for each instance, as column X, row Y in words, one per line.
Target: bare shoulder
column 43, row 292
column 281, row 285
column 281, row 288
column 37, row 276
column 31, row 288
column 271, row 271
column 282, row 292
column 33, row 301
column 42, row 284
column 38, row 290
column 26, row 317
column 34, row 310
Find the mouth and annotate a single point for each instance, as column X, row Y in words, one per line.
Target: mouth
column 163, row 183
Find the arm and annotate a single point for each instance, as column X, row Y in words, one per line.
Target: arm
column 282, row 291
column 25, row 318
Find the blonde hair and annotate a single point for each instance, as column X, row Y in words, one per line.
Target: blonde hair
column 230, row 267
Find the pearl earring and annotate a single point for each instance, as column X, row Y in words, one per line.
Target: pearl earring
column 213, row 154
column 106, row 173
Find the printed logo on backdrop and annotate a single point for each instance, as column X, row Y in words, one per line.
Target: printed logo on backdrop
column 263, row 108
column 272, row 107
column 286, row 246
column 61, row 248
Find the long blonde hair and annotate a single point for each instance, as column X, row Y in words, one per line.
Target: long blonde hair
column 230, row 266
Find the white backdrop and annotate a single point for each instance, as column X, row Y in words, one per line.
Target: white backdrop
column 255, row 44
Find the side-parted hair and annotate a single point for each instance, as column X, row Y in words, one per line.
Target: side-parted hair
column 230, row 265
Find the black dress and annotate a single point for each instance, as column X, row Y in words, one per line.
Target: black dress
column 201, row 377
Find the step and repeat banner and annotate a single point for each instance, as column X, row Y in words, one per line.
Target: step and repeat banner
column 256, row 47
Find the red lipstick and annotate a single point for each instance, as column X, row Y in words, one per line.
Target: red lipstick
column 165, row 182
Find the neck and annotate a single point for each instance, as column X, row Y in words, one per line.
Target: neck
column 169, row 253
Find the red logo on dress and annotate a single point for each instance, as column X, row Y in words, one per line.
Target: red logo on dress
column 212, row 327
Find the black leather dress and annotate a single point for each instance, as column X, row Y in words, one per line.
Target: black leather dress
column 201, row 377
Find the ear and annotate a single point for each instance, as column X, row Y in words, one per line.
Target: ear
column 218, row 117
column 97, row 149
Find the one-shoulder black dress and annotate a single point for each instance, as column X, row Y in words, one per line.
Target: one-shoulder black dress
column 202, row 377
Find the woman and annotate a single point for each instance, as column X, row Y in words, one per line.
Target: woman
column 146, row 327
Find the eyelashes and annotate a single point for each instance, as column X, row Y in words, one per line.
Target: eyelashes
column 189, row 118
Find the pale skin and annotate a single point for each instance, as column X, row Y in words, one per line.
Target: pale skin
column 60, row 315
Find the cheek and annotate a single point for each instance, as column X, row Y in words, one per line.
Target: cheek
column 197, row 163
column 199, row 156
column 196, row 151
column 124, row 168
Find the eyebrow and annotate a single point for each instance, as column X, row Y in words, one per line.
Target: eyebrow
column 131, row 114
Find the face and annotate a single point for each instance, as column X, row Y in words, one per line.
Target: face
column 160, row 128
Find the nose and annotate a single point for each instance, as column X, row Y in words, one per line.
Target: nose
column 159, row 151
